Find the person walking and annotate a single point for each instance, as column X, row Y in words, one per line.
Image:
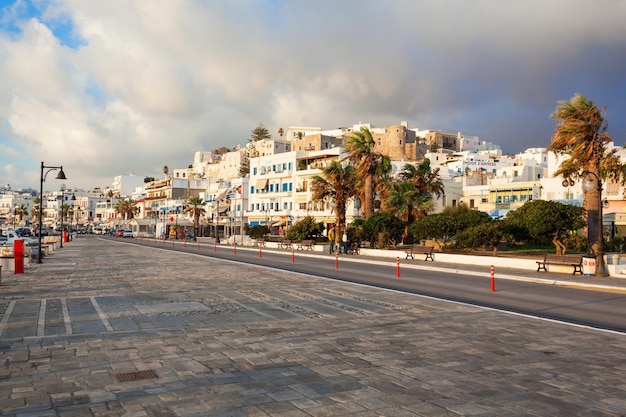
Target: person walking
column 331, row 239
column 345, row 241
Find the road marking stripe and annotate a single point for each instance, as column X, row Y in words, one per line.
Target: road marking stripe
column 103, row 316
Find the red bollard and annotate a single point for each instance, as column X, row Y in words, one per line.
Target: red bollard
column 215, row 245
column 336, row 259
column 397, row 267
column 293, row 256
column 235, row 248
column 198, row 245
column 18, row 256
column 493, row 280
column 260, row 253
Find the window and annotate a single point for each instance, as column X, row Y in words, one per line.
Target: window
column 254, row 171
column 290, row 186
column 252, row 190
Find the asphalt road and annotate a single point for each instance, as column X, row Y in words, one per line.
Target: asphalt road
column 596, row 309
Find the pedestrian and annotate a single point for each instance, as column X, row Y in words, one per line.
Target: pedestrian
column 345, row 241
column 331, row 240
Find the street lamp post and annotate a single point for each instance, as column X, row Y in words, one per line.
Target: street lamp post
column 42, row 178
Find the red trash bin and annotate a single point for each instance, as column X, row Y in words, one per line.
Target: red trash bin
column 65, row 236
column 18, row 256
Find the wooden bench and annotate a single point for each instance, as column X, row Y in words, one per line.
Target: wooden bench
column 353, row 249
column 420, row 250
column 305, row 245
column 575, row 261
column 285, row 244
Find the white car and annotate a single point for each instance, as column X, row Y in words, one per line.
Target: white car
column 127, row 233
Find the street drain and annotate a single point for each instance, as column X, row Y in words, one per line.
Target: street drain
column 135, row 376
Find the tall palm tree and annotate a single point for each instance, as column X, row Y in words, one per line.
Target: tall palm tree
column 335, row 185
column 195, row 207
column 166, row 170
column 425, row 179
column 581, row 134
column 360, row 148
column 408, row 203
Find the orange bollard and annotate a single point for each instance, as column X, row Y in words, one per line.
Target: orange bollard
column 293, row 255
column 215, row 245
column 336, row 259
column 493, row 280
column 397, row 267
column 260, row 253
column 235, row 248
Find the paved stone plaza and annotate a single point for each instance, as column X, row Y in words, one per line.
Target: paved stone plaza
column 106, row 328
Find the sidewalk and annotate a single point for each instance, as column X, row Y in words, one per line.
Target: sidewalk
column 104, row 328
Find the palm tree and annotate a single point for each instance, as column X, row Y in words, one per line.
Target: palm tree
column 127, row 208
column 34, row 213
column 409, row 203
column 425, row 179
column 335, row 185
column 360, row 149
column 20, row 211
column 581, row 134
column 195, row 207
column 166, row 170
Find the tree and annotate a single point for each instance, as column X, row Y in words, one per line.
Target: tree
column 196, row 207
column 425, row 179
column 258, row 231
column 382, row 229
column 34, row 213
column 581, row 135
column 281, row 132
column 126, row 207
column 20, row 211
column 408, row 203
column 260, row 133
column 438, row 226
column 166, row 170
column 484, row 235
column 335, row 186
column 360, row 148
column 304, row 228
column 148, row 179
column 547, row 221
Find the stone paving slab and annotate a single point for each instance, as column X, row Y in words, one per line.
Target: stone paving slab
column 223, row 339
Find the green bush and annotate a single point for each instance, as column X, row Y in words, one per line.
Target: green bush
column 257, row 232
column 303, row 229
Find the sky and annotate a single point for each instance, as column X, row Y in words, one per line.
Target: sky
column 106, row 88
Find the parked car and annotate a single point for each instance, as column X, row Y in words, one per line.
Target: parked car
column 128, row 233
column 118, row 233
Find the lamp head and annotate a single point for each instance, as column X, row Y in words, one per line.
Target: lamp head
column 61, row 175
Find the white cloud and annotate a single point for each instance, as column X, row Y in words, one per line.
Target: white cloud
column 152, row 82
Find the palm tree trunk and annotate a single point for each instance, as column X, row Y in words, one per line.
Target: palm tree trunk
column 368, row 204
column 595, row 239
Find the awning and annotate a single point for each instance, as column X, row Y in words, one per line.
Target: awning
column 280, row 223
column 261, row 184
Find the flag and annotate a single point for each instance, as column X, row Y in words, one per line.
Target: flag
column 239, row 189
column 172, row 218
